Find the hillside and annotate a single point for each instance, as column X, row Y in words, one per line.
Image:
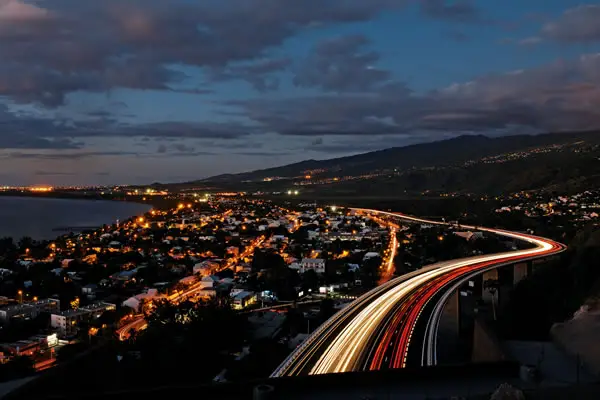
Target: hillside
column 474, row 164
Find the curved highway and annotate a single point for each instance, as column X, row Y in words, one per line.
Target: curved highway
column 377, row 330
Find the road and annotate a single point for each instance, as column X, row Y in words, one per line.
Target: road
column 376, row 331
column 137, row 324
column 388, row 262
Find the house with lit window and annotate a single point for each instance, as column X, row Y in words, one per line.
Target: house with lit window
column 316, row 264
column 67, row 322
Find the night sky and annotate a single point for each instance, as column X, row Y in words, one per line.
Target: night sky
column 137, row 91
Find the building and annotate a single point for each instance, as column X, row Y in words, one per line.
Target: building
column 30, row 347
column 211, row 281
column 233, row 250
column 27, row 311
column 243, row 299
column 207, row 293
column 134, row 302
column 205, row 267
column 67, row 322
column 316, row 264
column 90, row 290
column 371, row 254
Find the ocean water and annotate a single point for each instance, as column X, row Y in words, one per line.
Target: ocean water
column 37, row 217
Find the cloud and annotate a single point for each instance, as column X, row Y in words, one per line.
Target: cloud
column 15, row 11
column 576, row 25
column 460, row 10
column 25, row 130
column 341, row 65
column 54, row 173
column 263, row 153
column 49, row 49
column 182, row 148
column 175, row 129
column 68, row 155
column 530, row 41
column 553, row 97
column 258, row 74
column 30, row 132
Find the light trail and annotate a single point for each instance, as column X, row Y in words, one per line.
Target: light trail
column 360, row 336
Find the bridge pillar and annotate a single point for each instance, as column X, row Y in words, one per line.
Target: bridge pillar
column 449, row 331
column 456, row 325
column 505, row 280
column 451, row 314
column 520, row 272
column 537, row 264
column 486, row 295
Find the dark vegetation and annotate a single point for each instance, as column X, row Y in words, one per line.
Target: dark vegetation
column 555, row 291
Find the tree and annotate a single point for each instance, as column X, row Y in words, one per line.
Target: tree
column 25, row 243
column 369, row 271
column 310, row 279
column 326, row 309
column 179, row 335
column 6, row 245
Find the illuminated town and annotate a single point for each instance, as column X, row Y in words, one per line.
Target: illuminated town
column 251, row 255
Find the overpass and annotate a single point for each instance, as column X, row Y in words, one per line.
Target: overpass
column 377, row 330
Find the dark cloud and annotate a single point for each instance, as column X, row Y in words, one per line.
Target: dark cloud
column 26, row 131
column 458, row 10
column 263, row 153
column 69, row 155
column 182, row 148
column 259, row 75
column 558, row 96
column 54, row 173
column 51, row 48
column 173, row 130
column 577, row 25
column 342, row 65
column 29, row 132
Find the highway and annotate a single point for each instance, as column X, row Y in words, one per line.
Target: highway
column 376, row 331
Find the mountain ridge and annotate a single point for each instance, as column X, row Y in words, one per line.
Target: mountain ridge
column 432, row 154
